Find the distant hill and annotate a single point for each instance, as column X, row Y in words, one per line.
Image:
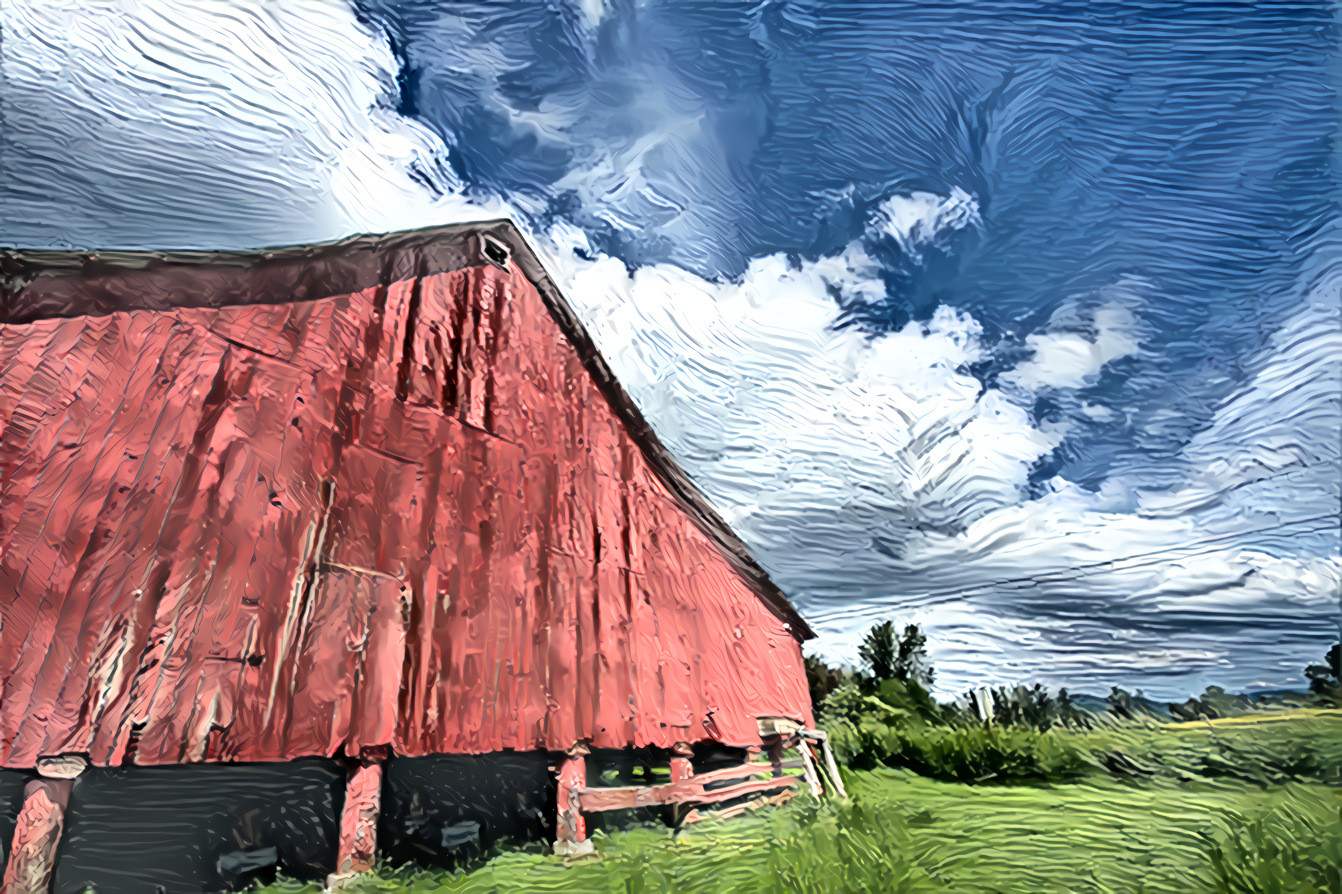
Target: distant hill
column 1160, row 710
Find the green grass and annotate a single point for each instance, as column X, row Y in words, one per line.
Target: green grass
column 1182, row 822
column 1274, row 749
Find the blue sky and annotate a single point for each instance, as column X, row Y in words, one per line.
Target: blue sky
column 1018, row 320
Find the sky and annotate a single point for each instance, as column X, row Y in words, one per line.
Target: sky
column 1021, row 321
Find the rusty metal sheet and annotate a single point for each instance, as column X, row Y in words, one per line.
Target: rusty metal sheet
column 403, row 516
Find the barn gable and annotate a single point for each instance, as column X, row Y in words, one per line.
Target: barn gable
column 383, row 492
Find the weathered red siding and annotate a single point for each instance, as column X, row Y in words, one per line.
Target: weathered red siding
column 405, row 515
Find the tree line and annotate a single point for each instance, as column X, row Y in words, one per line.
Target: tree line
column 893, row 666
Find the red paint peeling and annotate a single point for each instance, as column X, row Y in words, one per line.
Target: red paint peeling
column 404, row 515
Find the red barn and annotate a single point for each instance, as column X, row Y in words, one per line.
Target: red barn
column 378, row 497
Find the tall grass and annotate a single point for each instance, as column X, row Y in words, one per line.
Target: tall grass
column 811, row 848
column 1229, row 810
column 1282, row 852
column 845, row 849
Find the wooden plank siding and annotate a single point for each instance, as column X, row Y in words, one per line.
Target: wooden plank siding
column 406, row 514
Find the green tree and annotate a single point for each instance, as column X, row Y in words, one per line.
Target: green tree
column 1325, row 680
column 911, row 662
column 1120, row 703
column 821, row 679
column 886, row 655
column 879, row 651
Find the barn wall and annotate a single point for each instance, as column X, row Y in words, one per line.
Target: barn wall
column 405, row 515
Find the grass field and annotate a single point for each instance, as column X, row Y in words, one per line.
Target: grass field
column 1210, row 807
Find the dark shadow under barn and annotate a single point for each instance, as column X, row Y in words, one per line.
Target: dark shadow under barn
column 219, row 827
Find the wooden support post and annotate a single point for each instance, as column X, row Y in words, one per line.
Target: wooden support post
column 358, row 818
column 830, row 763
column 682, row 767
column 808, row 767
column 775, row 748
column 571, row 829
column 37, row 831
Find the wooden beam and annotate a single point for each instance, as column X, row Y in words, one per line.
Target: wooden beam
column 694, row 790
column 777, row 726
column 37, row 834
column 570, row 827
column 358, row 820
column 830, row 764
column 62, row 766
column 741, row 771
column 774, row 744
column 809, row 769
column 777, row 800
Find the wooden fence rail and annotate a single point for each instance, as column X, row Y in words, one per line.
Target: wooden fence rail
column 702, row 789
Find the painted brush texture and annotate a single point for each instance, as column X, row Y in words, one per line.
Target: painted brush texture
column 1019, row 320
column 409, row 511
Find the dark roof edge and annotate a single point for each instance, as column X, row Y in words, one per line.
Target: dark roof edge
column 659, row 458
column 34, row 284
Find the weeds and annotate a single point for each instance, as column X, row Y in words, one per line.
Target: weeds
column 1281, row 852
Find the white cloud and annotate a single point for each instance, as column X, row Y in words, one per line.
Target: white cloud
column 1213, row 580
column 162, row 124
column 773, row 406
column 1072, row 358
column 1276, row 442
column 923, row 218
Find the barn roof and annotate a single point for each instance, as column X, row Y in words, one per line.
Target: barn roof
column 41, row 284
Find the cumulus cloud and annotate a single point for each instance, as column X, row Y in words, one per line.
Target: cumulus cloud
column 923, row 218
column 777, row 408
column 1276, row 441
column 1231, row 576
column 1078, row 343
column 156, row 124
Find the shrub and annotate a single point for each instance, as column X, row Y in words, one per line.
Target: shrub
column 849, row 704
column 1032, row 706
column 912, row 699
column 966, row 753
column 1325, row 680
column 822, row 679
column 1264, row 765
column 1215, row 702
